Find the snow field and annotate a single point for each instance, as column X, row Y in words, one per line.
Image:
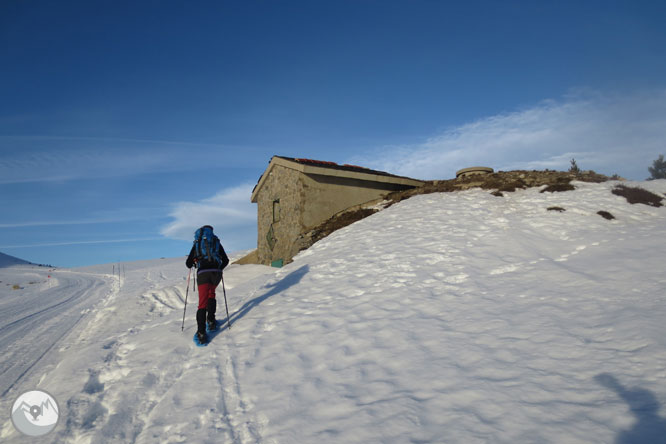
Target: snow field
column 136, row 377
column 38, row 314
column 466, row 317
column 452, row 317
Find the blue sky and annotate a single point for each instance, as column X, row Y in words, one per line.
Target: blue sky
column 124, row 125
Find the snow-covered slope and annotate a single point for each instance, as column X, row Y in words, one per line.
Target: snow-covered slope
column 455, row 317
column 39, row 307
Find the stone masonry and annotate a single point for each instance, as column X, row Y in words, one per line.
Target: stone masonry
column 285, row 188
column 295, row 195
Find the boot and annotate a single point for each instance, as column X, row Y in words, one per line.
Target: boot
column 201, row 321
column 211, row 307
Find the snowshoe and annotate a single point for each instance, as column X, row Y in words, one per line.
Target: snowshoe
column 212, row 330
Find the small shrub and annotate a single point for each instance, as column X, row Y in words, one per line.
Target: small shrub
column 510, row 187
column 558, row 187
column 658, row 168
column 606, row 215
column 16, row 287
column 636, row 195
column 574, row 167
column 558, row 209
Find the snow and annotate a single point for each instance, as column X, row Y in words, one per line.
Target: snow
column 449, row 317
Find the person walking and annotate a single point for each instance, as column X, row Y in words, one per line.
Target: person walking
column 209, row 257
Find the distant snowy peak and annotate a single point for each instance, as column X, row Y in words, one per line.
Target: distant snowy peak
column 7, row 260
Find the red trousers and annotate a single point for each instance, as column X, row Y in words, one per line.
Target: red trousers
column 206, row 292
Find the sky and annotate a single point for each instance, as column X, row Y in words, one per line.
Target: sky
column 126, row 125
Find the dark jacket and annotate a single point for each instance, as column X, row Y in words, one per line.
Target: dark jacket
column 205, row 265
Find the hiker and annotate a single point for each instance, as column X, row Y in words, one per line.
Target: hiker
column 208, row 256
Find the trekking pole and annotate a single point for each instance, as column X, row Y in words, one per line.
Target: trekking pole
column 224, row 291
column 187, row 289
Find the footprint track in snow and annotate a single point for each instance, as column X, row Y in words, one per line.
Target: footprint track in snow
column 577, row 250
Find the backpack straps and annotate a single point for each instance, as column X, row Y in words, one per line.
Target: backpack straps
column 197, row 243
column 207, row 248
column 216, row 251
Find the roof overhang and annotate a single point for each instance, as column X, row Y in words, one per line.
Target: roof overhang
column 324, row 171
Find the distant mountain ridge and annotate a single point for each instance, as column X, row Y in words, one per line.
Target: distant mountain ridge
column 7, row 261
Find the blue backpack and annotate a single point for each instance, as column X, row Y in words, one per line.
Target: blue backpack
column 207, row 245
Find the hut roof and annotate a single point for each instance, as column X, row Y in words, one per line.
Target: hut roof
column 322, row 167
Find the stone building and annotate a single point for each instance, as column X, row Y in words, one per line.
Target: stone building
column 295, row 195
column 473, row 171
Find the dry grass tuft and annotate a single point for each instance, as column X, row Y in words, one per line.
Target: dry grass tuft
column 635, row 195
column 340, row 221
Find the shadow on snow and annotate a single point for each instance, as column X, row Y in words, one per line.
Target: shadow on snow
column 649, row 426
column 283, row 284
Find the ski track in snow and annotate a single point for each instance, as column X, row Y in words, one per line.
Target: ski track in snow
column 452, row 317
column 30, row 327
column 132, row 383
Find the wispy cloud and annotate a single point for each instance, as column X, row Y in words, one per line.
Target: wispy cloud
column 109, row 140
column 609, row 134
column 104, row 241
column 230, row 210
column 63, row 164
column 58, row 159
column 117, row 215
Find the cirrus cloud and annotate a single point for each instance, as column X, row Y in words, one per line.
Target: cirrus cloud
column 609, row 134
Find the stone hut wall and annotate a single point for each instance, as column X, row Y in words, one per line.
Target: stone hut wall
column 304, row 201
column 283, row 188
column 325, row 196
